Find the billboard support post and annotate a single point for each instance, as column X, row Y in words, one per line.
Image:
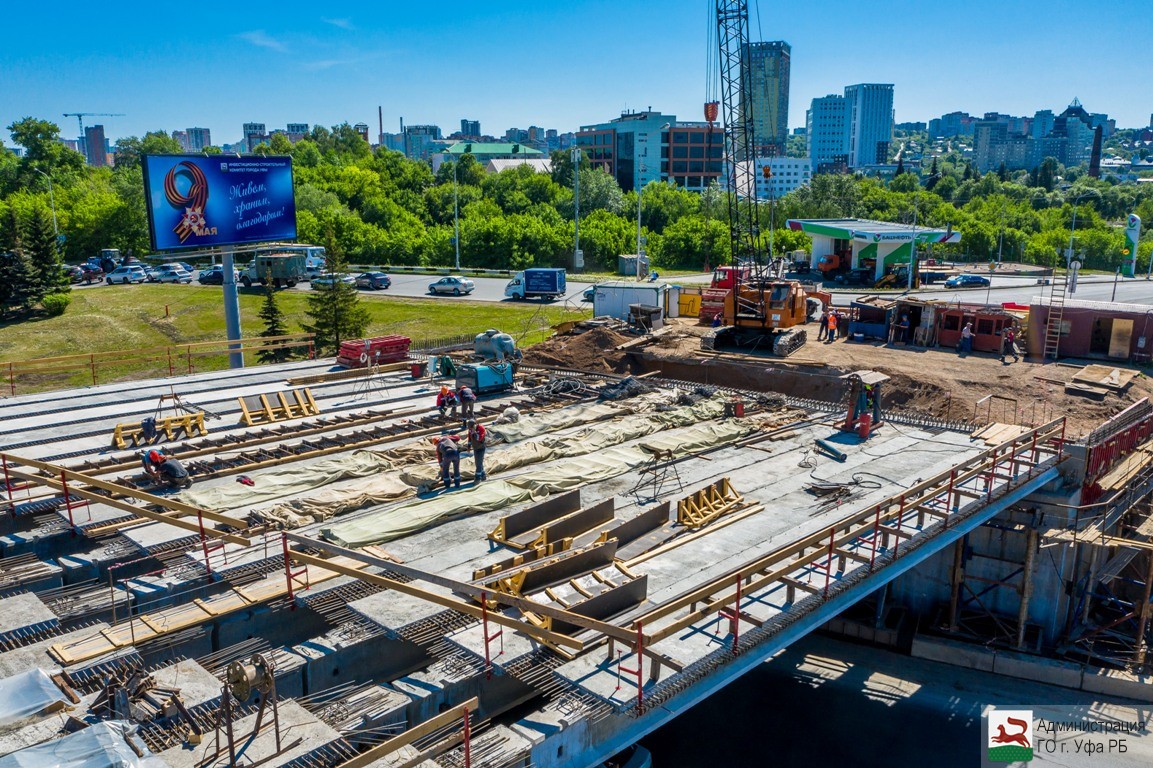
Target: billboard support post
column 232, row 312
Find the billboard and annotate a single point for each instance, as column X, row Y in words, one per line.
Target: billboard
column 196, row 201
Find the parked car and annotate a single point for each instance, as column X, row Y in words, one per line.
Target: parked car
column 74, row 273
column 152, row 274
column 589, row 293
column 185, row 266
column 134, row 273
column 326, row 280
column 967, row 281
column 373, row 281
column 172, row 273
column 856, row 277
column 454, row 285
column 92, row 273
column 214, row 275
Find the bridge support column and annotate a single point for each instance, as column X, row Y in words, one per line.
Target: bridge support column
column 1026, row 587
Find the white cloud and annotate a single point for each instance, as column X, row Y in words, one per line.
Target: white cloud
column 342, row 23
column 262, row 39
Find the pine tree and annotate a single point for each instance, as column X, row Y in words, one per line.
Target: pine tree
column 968, row 172
column 46, row 270
column 273, row 325
column 933, row 170
column 900, row 166
column 1002, row 172
column 335, row 310
column 15, row 280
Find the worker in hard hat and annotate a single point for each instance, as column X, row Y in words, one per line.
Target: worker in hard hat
column 477, row 440
column 467, row 400
column 448, row 455
column 165, row 469
column 447, row 401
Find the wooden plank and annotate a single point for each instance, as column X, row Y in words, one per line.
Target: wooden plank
column 430, row 726
column 607, row 604
column 578, row 522
column 633, row 529
column 1120, row 338
column 445, row 601
column 124, row 506
column 535, row 516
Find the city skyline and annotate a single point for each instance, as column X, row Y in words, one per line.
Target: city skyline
column 538, row 67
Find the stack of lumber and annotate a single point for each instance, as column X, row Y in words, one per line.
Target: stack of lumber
column 1097, row 381
column 1126, row 469
column 997, row 433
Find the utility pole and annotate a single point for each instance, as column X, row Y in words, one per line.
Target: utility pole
column 577, row 261
column 455, row 215
column 1001, row 234
column 52, row 199
column 913, row 242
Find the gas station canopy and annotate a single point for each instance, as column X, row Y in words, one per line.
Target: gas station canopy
column 886, row 242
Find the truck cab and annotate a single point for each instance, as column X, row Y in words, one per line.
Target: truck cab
column 729, row 277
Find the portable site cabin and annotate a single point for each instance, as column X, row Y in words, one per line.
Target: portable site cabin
column 873, row 316
column 1095, row 329
column 988, row 322
column 612, row 299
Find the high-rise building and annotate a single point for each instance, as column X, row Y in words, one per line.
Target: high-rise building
column 1042, row 123
column 769, row 64
column 470, row 128
column 826, row 127
column 296, row 131
column 869, row 109
column 362, row 129
column 639, row 147
column 254, row 134
column 418, row 140
column 952, row 124
column 198, row 138
column 181, row 138
column 96, row 146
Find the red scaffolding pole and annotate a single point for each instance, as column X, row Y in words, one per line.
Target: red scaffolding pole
column 487, row 637
column 290, row 574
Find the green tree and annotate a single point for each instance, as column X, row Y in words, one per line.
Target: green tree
column 274, row 324
column 15, row 284
column 334, row 311
column 46, row 273
column 130, row 149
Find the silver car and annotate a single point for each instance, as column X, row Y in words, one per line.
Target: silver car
column 133, row 273
column 454, row 284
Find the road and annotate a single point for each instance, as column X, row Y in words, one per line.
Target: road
column 1004, row 289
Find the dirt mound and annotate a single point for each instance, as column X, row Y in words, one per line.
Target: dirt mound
column 592, row 350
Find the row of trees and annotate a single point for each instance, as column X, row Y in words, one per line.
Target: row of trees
column 383, row 208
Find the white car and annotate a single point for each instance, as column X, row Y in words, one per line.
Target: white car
column 172, row 273
column 324, row 281
column 133, row 273
column 455, row 285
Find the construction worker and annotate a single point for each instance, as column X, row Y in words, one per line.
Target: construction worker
column 1009, row 343
column 832, row 322
column 448, row 455
column 824, row 325
column 467, row 400
column 966, row 345
column 447, row 401
column 165, row 469
column 903, row 329
column 477, row 438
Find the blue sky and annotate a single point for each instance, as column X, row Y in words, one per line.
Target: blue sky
column 217, row 65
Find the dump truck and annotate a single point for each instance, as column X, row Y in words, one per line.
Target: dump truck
column 537, row 283
column 285, row 269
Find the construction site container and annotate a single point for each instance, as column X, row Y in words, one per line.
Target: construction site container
column 612, row 299
column 672, row 301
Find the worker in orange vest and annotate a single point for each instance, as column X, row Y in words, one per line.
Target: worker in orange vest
column 832, row 327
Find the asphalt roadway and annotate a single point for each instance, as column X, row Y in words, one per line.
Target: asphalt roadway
column 1004, row 289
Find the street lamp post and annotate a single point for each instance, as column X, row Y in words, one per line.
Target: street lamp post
column 577, row 262
column 455, row 215
column 52, row 199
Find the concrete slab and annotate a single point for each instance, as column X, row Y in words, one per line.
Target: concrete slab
column 23, row 610
column 300, row 733
column 36, row 655
column 197, row 685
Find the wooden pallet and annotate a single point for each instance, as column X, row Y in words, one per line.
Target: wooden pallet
column 265, row 409
column 191, row 424
column 709, row 503
column 1106, row 377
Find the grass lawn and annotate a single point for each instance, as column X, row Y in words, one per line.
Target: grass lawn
column 127, row 317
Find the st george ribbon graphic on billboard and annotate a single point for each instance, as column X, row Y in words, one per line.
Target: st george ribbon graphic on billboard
column 196, row 201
